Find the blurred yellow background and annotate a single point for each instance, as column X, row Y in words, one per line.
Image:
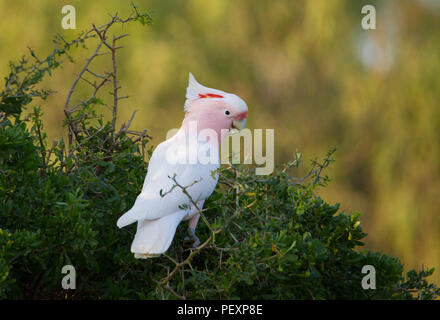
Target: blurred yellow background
column 306, row 69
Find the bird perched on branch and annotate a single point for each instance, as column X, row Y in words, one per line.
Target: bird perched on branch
column 181, row 172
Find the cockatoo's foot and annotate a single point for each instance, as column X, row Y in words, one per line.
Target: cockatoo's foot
column 192, row 236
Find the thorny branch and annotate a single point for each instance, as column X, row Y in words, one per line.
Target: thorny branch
column 315, row 172
column 76, row 114
column 164, row 283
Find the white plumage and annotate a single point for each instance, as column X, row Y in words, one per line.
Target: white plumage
column 191, row 159
column 159, row 215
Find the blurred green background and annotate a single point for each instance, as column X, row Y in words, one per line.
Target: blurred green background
column 306, row 69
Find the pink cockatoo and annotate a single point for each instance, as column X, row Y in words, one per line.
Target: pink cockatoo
column 191, row 156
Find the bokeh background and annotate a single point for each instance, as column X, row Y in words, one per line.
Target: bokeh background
column 306, row 69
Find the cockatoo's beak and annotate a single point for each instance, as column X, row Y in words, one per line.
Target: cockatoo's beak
column 239, row 121
column 239, row 124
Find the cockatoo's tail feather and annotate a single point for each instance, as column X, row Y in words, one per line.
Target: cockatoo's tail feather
column 155, row 236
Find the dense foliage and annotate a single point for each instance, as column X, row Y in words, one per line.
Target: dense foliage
column 264, row 237
column 306, row 68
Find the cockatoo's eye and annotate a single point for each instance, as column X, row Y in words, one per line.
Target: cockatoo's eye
column 227, row 112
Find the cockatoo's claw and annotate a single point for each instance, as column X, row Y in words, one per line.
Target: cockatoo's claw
column 192, row 236
column 196, row 242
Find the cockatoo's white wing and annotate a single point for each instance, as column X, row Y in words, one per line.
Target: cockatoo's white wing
column 150, row 204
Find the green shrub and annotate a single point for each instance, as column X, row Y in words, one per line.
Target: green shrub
column 265, row 237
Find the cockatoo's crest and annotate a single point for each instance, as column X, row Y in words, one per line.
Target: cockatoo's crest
column 197, row 91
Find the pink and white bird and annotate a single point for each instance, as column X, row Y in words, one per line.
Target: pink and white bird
column 190, row 156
